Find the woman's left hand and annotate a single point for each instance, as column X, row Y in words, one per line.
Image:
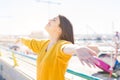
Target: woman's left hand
column 86, row 55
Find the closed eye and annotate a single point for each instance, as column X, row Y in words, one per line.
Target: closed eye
column 54, row 19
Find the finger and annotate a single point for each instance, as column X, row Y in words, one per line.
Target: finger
column 82, row 62
column 92, row 52
column 79, row 56
column 92, row 62
column 87, row 62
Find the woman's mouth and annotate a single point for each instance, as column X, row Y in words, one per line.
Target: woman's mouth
column 48, row 23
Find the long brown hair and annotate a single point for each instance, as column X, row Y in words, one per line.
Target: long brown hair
column 67, row 29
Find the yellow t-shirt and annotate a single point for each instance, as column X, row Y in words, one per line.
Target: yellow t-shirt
column 51, row 65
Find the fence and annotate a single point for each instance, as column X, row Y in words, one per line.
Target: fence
column 21, row 61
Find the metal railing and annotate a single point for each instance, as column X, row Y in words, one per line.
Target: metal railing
column 81, row 75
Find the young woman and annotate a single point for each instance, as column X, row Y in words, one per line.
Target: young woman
column 53, row 54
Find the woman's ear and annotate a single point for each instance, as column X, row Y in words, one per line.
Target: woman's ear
column 59, row 30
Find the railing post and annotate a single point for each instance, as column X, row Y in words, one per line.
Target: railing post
column 14, row 59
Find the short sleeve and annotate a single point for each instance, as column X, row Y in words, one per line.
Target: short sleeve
column 64, row 57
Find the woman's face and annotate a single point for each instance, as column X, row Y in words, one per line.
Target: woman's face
column 53, row 26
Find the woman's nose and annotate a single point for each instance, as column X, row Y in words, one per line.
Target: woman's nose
column 50, row 20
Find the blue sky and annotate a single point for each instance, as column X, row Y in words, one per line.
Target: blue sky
column 87, row 16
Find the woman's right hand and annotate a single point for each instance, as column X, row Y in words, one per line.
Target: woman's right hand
column 18, row 40
column 86, row 55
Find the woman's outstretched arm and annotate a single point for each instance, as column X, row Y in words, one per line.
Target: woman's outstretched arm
column 33, row 44
column 85, row 54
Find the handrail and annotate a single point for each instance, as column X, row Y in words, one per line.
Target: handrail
column 82, row 75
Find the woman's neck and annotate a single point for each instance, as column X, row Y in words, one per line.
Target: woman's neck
column 53, row 40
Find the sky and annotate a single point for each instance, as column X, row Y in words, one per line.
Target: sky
column 18, row 17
